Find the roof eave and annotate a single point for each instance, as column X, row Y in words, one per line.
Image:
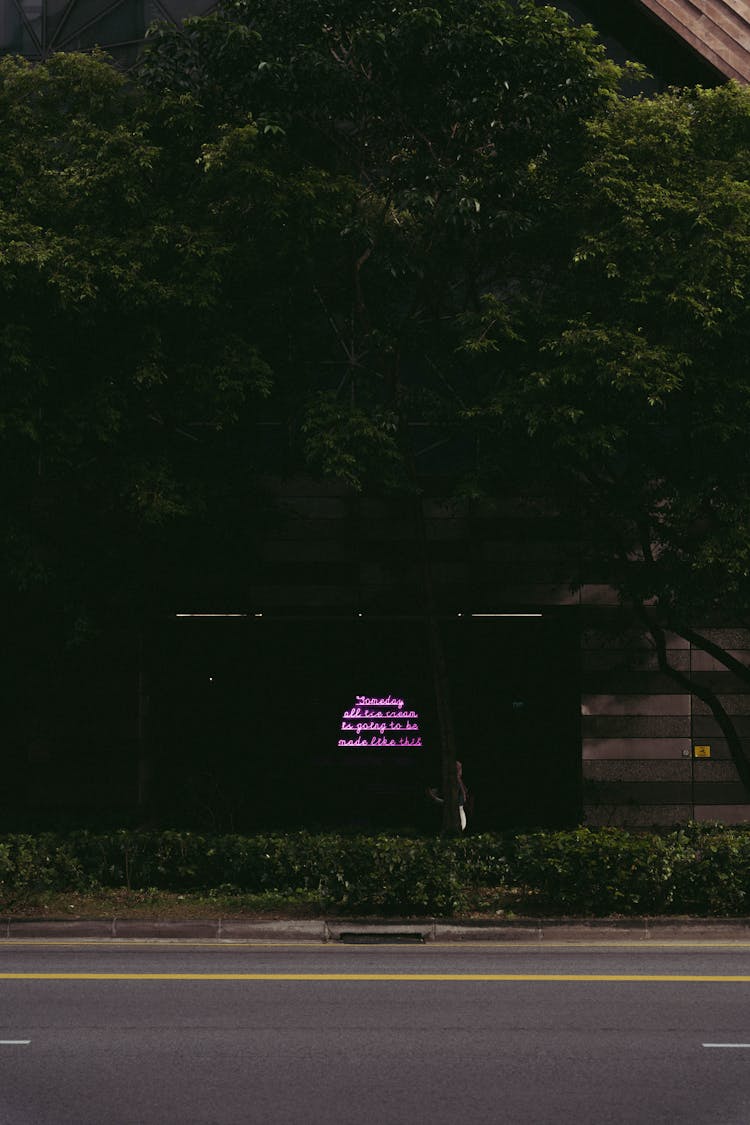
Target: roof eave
column 716, row 30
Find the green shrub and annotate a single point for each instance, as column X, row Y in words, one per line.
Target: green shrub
column 711, row 873
column 381, row 874
column 482, row 860
column 698, row 869
column 38, row 863
column 602, row 871
column 389, row 875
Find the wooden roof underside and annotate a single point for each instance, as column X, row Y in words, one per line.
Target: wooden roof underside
column 717, row 30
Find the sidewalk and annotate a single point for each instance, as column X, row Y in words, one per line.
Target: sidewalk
column 377, row 930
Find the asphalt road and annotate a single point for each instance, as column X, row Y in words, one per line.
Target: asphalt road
column 229, row 1034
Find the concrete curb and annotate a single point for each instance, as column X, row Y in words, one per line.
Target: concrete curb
column 526, row 930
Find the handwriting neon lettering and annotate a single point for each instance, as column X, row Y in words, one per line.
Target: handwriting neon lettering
column 365, row 713
column 382, row 727
column 379, row 723
column 380, row 742
column 389, row 701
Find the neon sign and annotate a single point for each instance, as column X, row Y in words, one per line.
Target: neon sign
column 378, row 723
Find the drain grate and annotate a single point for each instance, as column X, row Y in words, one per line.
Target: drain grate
column 362, row 938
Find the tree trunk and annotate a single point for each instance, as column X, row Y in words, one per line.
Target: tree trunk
column 145, row 764
column 441, row 685
column 451, row 825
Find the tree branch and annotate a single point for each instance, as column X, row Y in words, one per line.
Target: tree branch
column 704, row 693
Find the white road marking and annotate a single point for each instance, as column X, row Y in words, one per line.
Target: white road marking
column 746, row 1045
column 14, row 1042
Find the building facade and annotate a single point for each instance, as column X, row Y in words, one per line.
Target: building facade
column 38, row 28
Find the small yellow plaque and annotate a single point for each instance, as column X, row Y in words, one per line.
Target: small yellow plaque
column 702, row 751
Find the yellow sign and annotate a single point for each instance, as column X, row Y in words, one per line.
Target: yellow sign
column 702, row 751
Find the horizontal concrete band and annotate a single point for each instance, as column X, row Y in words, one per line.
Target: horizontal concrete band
column 719, row 793
column 623, row 681
column 641, row 749
column 663, row 815
column 606, row 704
column 660, row 769
column 429, row 930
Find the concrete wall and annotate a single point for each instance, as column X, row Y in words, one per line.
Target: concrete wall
column 640, row 730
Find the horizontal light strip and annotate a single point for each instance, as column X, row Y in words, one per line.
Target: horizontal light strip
column 325, row 619
column 212, row 615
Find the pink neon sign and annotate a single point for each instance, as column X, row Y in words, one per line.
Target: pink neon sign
column 378, row 723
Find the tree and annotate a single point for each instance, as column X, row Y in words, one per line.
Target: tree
column 428, row 148
column 117, row 352
column 632, row 375
column 122, row 365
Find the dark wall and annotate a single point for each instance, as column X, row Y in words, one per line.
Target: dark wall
column 246, row 717
column 69, row 723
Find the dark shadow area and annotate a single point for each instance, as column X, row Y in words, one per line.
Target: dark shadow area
column 516, row 703
column 245, row 723
column 70, row 727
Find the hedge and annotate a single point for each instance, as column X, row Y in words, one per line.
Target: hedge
column 697, row 869
column 387, row 874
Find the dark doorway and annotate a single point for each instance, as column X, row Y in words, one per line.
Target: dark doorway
column 246, row 718
column 516, row 704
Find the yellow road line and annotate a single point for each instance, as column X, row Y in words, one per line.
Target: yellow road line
column 582, row 978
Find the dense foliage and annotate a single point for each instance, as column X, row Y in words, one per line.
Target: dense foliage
column 700, row 869
column 340, row 219
column 636, row 390
column 303, row 198
column 284, row 218
column 375, row 213
column 372, row 874
column 632, row 381
column 121, row 357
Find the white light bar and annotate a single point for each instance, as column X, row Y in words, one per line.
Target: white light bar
column 506, row 615
column 210, row 615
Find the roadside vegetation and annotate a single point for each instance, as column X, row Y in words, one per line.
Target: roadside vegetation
column 699, row 869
